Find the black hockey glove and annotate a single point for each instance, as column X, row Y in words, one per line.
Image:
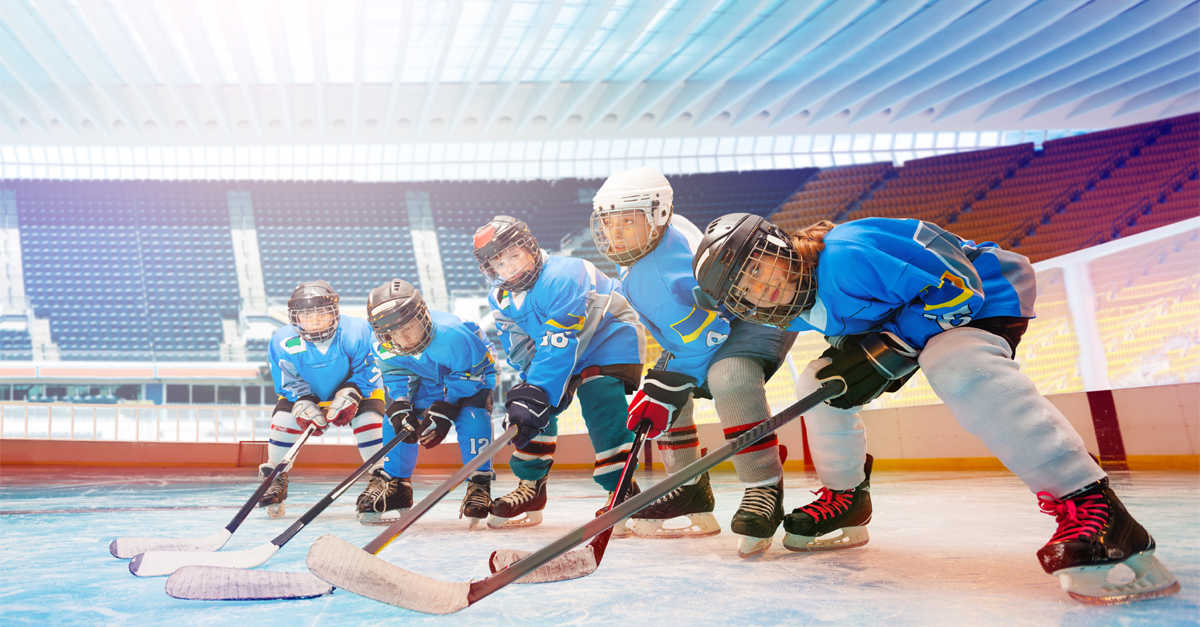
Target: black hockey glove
column 435, row 424
column 662, row 395
column 398, row 414
column 528, row 408
column 869, row 365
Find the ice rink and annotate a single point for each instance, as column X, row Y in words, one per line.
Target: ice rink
column 945, row 549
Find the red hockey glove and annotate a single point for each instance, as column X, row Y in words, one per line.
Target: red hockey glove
column 344, row 406
column 662, row 395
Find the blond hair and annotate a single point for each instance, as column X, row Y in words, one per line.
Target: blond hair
column 810, row 241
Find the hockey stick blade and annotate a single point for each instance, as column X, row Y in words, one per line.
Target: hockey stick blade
column 212, row 583
column 126, row 548
column 366, row 575
column 249, row 585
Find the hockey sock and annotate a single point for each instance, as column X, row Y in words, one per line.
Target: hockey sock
column 402, row 459
column 284, row 433
column 532, row 461
column 680, row 445
column 474, row 429
column 836, row 437
column 368, row 432
column 972, row 371
column 604, row 407
column 739, row 393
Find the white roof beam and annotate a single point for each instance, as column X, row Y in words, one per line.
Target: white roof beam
column 542, row 92
column 389, row 122
column 14, row 95
column 1145, row 82
column 48, row 56
column 500, row 100
column 7, row 122
column 1132, row 21
column 1131, row 69
column 1186, row 103
column 1019, row 47
column 616, row 92
column 1115, row 54
column 468, row 93
column 653, row 92
column 243, row 61
column 320, row 71
column 877, row 51
column 124, row 58
column 615, row 57
column 283, row 62
column 26, row 71
column 902, row 76
column 203, row 57
column 360, row 45
column 1173, row 89
column 443, row 54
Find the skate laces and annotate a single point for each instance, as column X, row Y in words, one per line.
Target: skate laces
column 524, row 492
column 377, row 491
column 759, row 500
column 1080, row 517
column 829, row 503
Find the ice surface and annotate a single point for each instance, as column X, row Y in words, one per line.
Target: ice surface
column 945, row 549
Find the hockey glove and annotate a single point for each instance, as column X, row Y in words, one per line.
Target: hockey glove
column 344, row 406
column 528, row 408
column 398, row 414
column 436, row 425
column 869, row 365
column 662, row 395
column 307, row 411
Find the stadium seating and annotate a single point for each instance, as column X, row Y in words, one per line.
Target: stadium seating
column 827, row 195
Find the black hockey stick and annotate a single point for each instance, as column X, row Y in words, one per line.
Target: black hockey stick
column 584, row 560
column 163, row 563
column 212, row 583
column 126, row 548
column 343, row 565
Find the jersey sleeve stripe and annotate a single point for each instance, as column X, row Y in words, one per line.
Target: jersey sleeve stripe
column 694, row 323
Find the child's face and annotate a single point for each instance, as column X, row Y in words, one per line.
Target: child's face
column 410, row 335
column 627, row 230
column 768, row 281
column 512, row 262
column 315, row 322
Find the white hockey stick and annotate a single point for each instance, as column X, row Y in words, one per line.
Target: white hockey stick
column 210, row 583
column 348, row 567
column 126, row 548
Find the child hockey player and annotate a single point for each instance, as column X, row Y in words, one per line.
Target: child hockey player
column 321, row 361
column 438, row 370
column 566, row 329
column 893, row 295
column 633, row 225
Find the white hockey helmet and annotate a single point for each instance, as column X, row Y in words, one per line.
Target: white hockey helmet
column 630, row 214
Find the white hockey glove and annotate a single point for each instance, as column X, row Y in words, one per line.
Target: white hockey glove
column 344, row 406
column 307, row 411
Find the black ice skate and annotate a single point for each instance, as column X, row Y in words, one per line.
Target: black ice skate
column 757, row 518
column 273, row 498
column 478, row 500
column 620, row 530
column 385, row 499
column 521, row 507
column 694, row 501
column 1095, row 533
column 844, row 511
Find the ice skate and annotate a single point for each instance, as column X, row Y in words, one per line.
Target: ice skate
column 521, row 507
column 621, row 529
column 846, row 512
column 1095, row 534
column 694, row 501
column 478, row 499
column 385, row 499
column 275, row 495
column 757, row 518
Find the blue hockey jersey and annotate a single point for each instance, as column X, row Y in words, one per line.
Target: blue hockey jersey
column 299, row 368
column 665, row 294
column 573, row 317
column 457, row 364
column 914, row 279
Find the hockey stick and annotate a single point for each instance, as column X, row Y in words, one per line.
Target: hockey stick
column 163, row 563
column 125, row 548
column 343, row 565
column 585, row 560
column 232, row 584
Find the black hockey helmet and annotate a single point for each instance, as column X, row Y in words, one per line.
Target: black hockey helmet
column 497, row 243
column 313, row 311
column 400, row 318
column 752, row 267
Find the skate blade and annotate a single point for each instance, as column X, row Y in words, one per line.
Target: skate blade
column 276, row 511
column 1090, row 585
column 846, row 538
column 528, row 519
column 620, row 531
column 749, row 546
column 473, row 523
column 698, row 526
column 381, row 518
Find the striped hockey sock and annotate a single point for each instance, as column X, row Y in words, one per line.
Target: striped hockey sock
column 604, row 407
column 680, row 445
column 368, row 432
column 284, row 433
column 740, row 394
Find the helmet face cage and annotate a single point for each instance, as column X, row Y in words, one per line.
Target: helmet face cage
column 391, row 334
column 772, row 285
column 626, row 234
column 526, row 276
column 327, row 309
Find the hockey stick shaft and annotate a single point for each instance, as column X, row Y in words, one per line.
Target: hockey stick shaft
column 262, row 488
column 621, row 494
column 411, row 516
column 482, row 588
